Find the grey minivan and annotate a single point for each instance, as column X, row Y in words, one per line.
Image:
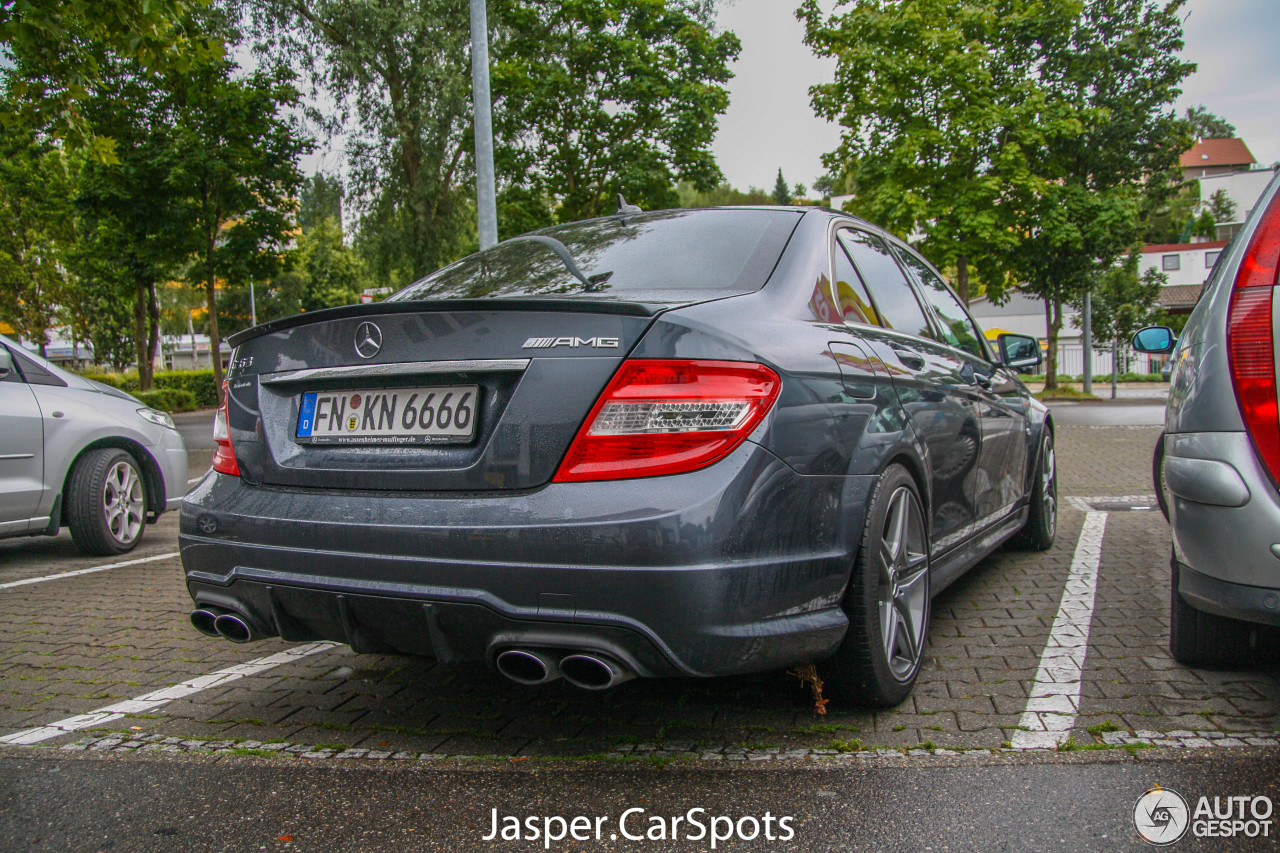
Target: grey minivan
column 80, row 454
column 1217, row 466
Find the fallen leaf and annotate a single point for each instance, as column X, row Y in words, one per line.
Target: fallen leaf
column 285, row 838
column 135, row 728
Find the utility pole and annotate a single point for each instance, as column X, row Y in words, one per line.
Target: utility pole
column 253, row 305
column 1088, row 343
column 486, row 194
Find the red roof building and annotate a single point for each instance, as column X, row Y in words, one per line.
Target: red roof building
column 1216, row 157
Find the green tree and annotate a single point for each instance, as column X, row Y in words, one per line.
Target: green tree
column 321, row 199
column 1222, row 207
column 333, row 273
column 722, row 195
column 1111, row 72
column 940, row 105
column 399, row 72
column 781, row 190
column 36, row 232
column 599, row 97
column 1206, row 125
column 1124, row 302
column 133, row 233
column 238, row 164
column 59, row 50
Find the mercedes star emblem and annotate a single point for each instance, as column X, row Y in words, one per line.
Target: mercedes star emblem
column 368, row 340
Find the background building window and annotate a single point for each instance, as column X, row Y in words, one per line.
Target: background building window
column 1210, row 258
column 1171, row 262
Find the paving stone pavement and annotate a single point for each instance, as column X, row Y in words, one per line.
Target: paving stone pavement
column 73, row 645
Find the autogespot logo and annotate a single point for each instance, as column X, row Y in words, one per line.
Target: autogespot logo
column 1161, row 816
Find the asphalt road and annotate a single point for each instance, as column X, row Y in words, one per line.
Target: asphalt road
column 1002, row 804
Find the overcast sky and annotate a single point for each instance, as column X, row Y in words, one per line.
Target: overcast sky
column 770, row 125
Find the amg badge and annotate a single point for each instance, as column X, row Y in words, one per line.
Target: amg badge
column 547, row 343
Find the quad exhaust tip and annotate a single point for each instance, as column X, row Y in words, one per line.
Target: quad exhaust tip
column 217, row 622
column 203, row 619
column 527, row 666
column 593, row 672
column 585, row 670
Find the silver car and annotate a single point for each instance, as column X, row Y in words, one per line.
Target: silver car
column 1218, row 465
column 78, row 453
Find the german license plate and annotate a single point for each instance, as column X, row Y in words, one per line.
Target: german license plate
column 432, row 415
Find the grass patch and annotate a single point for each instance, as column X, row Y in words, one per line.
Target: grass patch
column 899, row 728
column 824, row 729
column 260, row 753
column 1103, row 727
column 852, row 745
column 1065, row 392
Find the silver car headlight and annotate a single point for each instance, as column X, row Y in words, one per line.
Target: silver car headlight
column 156, row 417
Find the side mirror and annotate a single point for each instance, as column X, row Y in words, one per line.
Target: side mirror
column 1019, row 352
column 6, row 362
column 1154, row 339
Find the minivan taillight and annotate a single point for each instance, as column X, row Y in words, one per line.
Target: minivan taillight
column 666, row 417
column 224, row 455
column 1250, row 341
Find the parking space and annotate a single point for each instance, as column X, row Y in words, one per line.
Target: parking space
column 71, row 646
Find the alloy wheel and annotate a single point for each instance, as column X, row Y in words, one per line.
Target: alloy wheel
column 122, row 499
column 904, row 584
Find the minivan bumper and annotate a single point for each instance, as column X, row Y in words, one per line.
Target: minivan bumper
column 1225, row 517
column 739, row 567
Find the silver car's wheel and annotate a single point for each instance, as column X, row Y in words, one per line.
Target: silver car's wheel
column 106, row 502
column 887, row 600
column 904, row 584
column 122, row 502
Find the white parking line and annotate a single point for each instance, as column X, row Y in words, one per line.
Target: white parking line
column 1055, row 695
column 61, row 575
column 153, row 700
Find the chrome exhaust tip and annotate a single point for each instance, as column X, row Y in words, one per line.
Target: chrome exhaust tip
column 529, row 667
column 594, row 672
column 203, row 619
column 236, row 628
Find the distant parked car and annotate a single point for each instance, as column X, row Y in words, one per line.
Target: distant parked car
column 1217, row 467
column 80, row 454
column 690, row 442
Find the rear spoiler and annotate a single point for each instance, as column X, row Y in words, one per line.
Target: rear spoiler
column 582, row 306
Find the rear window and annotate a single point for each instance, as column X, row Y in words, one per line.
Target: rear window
column 651, row 257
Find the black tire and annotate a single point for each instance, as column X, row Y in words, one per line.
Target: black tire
column 1157, row 476
column 1042, row 518
column 863, row 670
column 1206, row 640
column 105, row 502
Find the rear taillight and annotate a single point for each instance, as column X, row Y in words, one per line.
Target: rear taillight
column 666, row 417
column 1250, row 341
column 224, row 455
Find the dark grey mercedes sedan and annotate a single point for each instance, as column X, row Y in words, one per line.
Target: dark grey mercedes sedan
column 678, row 443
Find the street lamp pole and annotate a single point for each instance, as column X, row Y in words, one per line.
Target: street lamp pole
column 486, row 201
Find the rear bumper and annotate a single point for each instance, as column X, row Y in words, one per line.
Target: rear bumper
column 1232, row 600
column 736, row 568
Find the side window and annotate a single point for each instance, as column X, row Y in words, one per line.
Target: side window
column 895, row 302
column 957, row 329
column 851, row 292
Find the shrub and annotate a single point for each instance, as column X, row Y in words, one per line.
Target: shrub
column 168, row 399
column 198, row 383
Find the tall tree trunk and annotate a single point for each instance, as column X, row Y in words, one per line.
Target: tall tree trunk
column 153, row 318
column 140, row 334
column 962, row 278
column 1053, row 324
column 211, row 303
